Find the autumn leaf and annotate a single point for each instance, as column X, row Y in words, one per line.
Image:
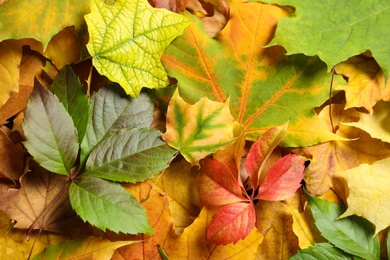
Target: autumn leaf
column 375, row 124
column 357, row 240
column 283, row 179
column 87, row 247
column 193, row 244
column 51, row 137
column 347, row 32
column 12, row 158
column 108, row 205
column 260, row 83
column 21, row 19
column 366, row 82
column 120, row 52
column 200, row 129
column 261, row 150
column 369, row 192
column 217, row 184
column 177, row 182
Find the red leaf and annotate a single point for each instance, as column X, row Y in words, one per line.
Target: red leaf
column 283, row 179
column 261, row 150
column 231, row 223
column 217, row 184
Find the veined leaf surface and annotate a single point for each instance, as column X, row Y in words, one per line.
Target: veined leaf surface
column 130, row 155
column 266, row 88
column 126, row 41
column 108, row 205
column 111, row 110
column 200, row 129
column 50, row 133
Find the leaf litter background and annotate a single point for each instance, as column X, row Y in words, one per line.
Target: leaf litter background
column 263, row 87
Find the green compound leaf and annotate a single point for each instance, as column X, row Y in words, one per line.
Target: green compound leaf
column 130, row 155
column 51, row 137
column 336, row 30
column 354, row 235
column 112, row 110
column 40, row 20
column 107, row 205
column 71, row 93
column 127, row 40
column 322, row 251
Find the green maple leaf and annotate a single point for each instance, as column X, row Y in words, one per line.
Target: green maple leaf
column 336, row 30
column 127, row 40
column 40, row 20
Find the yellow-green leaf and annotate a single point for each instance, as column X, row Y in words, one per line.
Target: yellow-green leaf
column 369, row 193
column 127, row 39
column 40, row 20
column 200, row 129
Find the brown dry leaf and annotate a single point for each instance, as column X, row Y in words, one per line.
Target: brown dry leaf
column 36, row 202
column 63, row 48
column 178, row 183
column 333, row 156
column 176, row 6
column 160, row 219
column 12, row 158
column 275, row 221
column 366, row 82
column 15, row 104
column 214, row 14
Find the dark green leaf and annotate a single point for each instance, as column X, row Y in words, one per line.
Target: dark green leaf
column 107, row 205
column 111, row 110
column 71, row 93
column 322, row 251
column 51, row 137
column 130, row 155
column 354, row 235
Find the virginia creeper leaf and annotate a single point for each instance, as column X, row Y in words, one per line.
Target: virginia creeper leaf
column 130, row 155
column 231, row 223
column 263, row 85
column 369, row 192
column 354, row 235
column 40, row 20
column 111, row 110
column 85, row 247
column 51, row 137
column 261, row 150
column 336, row 31
column 283, row 179
column 322, row 251
column 126, row 41
column 67, row 87
column 200, row 129
column 217, row 185
column 108, row 205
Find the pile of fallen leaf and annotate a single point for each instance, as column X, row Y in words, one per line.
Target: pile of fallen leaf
column 276, row 117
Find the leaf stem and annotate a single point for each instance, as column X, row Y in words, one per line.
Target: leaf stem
column 48, row 207
column 330, row 100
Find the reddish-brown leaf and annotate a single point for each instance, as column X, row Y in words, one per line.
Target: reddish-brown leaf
column 231, row 223
column 261, row 150
column 217, row 184
column 283, row 179
column 12, row 158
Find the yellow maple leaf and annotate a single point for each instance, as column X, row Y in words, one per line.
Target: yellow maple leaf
column 369, row 193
